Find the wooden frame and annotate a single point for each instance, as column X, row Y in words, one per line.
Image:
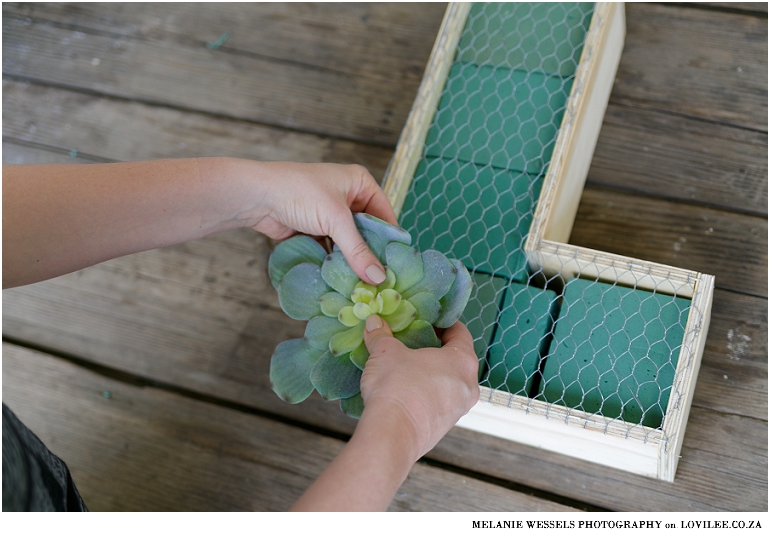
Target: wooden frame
column 592, row 437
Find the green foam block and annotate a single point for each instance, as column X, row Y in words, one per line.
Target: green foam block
column 615, row 351
column 481, row 312
column 478, row 215
column 520, row 339
column 531, row 36
column 507, row 118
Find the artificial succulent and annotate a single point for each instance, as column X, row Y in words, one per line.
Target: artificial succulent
column 421, row 291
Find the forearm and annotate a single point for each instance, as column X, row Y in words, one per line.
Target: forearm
column 367, row 473
column 60, row 218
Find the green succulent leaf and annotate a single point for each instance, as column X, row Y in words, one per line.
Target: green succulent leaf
column 402, row 317
column 386, row 231
column 390, row 279
column 406, row 262
column 363, row 293
column 359, row 356
column 418, row 335
column 331, row 303
column 419, row 291
column 439, row 275
column 335, row 377
column 290, row 368
column 338, row 274
column 320, row 330
column 428, row 307
column 353, row 407
column 300, row 290
column 294, row 251
column 347, row 317
column 376, row 243
column 362, row 311
column 347, row 340
column 388, row 301
column 453, row 303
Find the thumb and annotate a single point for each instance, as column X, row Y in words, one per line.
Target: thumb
column 376, row 330
column 360, row 258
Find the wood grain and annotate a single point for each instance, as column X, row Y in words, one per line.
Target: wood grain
column 736, row 354
column 68, row 120
column 179, row 75
column 683, row 50
column 697, row 162
column 695, row 62
column 340, row 37
column 752, row 7
column 127, row 455
column 730, row 246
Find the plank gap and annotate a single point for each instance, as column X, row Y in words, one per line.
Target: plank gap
column 626, row 104
column 648, row 195
column 510, row 485
column 724, row 8
column 679, row 200
column 88, row 158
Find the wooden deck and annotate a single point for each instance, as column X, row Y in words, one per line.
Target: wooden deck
column 148, row 374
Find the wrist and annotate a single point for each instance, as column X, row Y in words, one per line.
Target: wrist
column 392, row 427
column 239, row 189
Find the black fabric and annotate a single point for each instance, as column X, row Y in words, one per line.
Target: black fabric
column 34, row 479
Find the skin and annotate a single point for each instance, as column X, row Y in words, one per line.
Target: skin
column 61, row 218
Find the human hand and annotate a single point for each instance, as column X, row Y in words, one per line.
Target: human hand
column 319, row 200
column 431, row 388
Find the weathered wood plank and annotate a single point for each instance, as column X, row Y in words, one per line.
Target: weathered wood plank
column 132, row 448
column 735, row 354
column 699, row 162
column 730, row 246
column 340, row 37
column 695, row 62
column 179, row 75
column 85, row 123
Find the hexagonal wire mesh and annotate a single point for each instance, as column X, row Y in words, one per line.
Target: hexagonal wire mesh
column 586, row 341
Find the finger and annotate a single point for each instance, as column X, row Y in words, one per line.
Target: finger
column 371, row 199
column 356, row 252
column 379, row 206
column 458, row 336
column 376, row 330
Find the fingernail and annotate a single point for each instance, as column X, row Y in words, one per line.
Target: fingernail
column 373, row 322
column 375, row 274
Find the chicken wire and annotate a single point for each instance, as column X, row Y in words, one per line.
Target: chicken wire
column 583, row 341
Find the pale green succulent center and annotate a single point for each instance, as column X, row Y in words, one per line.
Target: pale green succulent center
column 367, row 300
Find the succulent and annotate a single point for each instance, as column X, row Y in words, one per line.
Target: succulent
column 421, row 291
